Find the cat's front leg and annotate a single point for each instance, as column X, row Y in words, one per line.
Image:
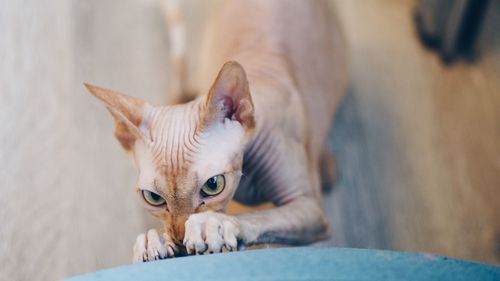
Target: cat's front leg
column 298, row 222
column 210, row 232
column 151, row 246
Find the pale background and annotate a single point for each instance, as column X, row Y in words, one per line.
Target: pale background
column 418, row 143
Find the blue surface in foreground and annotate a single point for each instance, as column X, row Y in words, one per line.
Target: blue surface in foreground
column 303, row 264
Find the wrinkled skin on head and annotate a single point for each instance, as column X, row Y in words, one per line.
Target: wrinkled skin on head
column 178, row 148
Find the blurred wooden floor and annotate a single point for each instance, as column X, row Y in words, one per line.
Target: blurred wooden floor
column 418, row 143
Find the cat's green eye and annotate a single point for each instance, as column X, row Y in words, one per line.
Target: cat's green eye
column 213, row 186
column 153, row 198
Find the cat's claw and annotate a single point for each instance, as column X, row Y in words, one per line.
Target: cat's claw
column 151, row 246
column 211, row 232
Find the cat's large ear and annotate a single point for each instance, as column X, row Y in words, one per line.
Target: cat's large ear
column 127, row 111
column 230, row 97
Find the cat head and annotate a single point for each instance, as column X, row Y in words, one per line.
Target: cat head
column 190, row 155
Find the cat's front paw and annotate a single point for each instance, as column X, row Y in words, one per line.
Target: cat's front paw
column 210, row 232
column 151, row 246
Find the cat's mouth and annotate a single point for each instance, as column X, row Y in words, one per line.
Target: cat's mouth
column 182, row 250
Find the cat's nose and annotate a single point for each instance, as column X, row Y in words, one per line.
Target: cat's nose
column 176, row 228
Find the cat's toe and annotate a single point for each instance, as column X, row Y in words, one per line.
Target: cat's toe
column 193, row 240
column 171, row 247
column 214, row 235
column 230, row 232
column 140, row 252
column 156, row 248
column 195, row 246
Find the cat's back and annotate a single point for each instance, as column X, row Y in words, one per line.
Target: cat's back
column 301, row 37
column 314, row 46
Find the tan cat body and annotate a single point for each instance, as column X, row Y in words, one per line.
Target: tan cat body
column 262, row 128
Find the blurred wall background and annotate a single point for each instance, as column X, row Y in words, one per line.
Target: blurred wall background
column 418, row 142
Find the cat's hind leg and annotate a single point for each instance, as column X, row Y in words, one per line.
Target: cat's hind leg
column 328, row 169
